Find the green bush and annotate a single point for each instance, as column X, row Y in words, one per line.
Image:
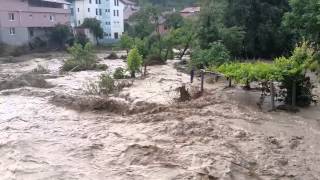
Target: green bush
column 119, row 73
column 106, row 84
column 81, row 38
column 112, row 55
column 289, row 72
column 82, row 58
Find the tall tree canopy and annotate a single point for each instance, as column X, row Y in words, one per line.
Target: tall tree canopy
column 304, row 19
column 248, row 28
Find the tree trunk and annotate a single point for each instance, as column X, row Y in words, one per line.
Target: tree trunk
column 184, row 51
column 167, row 53
column 294, row 94
column 202, row 81
column 133, row 74
column 230, row 82
column 97, row 40
column 272, row 91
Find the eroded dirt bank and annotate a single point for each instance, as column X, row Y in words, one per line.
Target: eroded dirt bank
column 214, row 137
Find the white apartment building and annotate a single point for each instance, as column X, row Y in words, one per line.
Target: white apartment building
column 109, row 12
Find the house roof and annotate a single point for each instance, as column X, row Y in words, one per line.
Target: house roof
column 129, row 11
column 57, row 1
column 127, row 2
column 190, row 10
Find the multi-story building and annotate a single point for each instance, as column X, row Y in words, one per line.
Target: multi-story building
column 23, row 20
column 108, row 12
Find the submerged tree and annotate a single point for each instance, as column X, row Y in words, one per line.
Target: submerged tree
column 126, row 42
column 134, row 61
column 95, row 27
column 60, row 34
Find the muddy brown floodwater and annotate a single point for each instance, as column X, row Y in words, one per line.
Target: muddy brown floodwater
column 221, row 135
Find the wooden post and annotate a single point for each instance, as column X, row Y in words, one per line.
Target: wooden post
column 230, row 82
column 273, row 107
column 145, row 70
column 294, row 94
column 202, row 81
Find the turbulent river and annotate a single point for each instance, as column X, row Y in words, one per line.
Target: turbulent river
column 222, row 135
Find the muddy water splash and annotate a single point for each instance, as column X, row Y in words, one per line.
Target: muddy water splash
column 214, row 137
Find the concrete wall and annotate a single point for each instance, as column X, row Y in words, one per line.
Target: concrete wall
column 26, row 17
column 19, row 38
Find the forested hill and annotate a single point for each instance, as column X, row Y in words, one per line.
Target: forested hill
column 168, row 3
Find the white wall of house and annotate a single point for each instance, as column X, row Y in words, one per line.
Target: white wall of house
column 117, row 20
column 109, row 12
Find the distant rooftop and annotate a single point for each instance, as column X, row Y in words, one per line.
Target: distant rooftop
column 57, row 1
column 129, row 11
column 190, row 10
column 127, row 2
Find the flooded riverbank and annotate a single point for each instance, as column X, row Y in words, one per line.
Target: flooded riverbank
column 214, row 137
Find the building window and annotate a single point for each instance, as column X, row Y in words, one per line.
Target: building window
column 71, row 10
column 78, row 9
column 12, row 31
column 90, row 1
column 116, row 2
column 88, row 9
column 11, row 17
column 31, row 33
column 51, row 18
column 100, row 12
column 97, row 11
column 79, row 23
column 114, row 12
column 117, row 12
column 116, row 35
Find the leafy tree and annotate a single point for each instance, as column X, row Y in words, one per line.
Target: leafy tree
column 134, row 61
column 304, row 19
column 183, row 37
column 174, row 20
column 216, row 55
column 95, row 27
column 142, row 46
column 126, row 42
column 60, row 34
column 248, row 28
column 141, row 23
column 262, row 21
column 212, row 27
